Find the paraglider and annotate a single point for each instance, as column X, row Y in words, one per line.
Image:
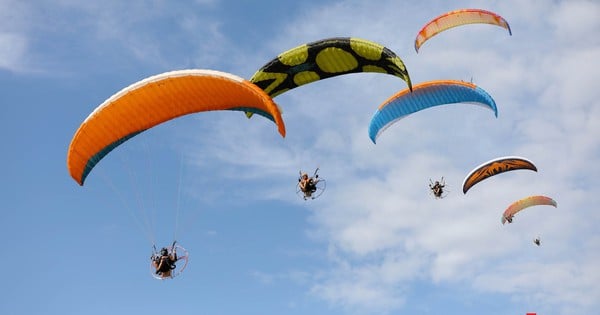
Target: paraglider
column 324, row 59
column 153, row 101
column 426, row 95
column 169, row 262
column 310, row 187
column 495, row 167
column 524, row 203
column 437, row 188
column 457, row 18
column 158, row 99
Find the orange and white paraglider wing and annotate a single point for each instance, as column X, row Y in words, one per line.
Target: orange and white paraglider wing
column 526, row 203
column 158, row 99
column 457, row 18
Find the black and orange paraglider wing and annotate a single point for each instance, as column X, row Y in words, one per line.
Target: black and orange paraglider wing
column 494, row 167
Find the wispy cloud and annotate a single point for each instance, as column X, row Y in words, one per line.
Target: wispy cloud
column 14, row 43
column 12, row 51
column 106, row 30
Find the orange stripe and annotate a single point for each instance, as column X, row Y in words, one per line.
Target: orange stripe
column 425, row 85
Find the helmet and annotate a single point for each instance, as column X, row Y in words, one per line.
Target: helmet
column 164, row 251
column 304, row 175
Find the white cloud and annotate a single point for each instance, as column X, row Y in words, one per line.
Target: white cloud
column 13, row 47
column 13, row 41
column 574, row 20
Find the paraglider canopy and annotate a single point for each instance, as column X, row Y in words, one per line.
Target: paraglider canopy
column 324, row 59
column 155, row 100
column 457, row 18
column 494, row 167
column 525, row 203
column 426, row 95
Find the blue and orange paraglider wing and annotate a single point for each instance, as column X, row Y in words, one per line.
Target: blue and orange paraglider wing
column 425, row 95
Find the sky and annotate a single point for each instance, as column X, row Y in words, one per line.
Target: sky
column 223, row 186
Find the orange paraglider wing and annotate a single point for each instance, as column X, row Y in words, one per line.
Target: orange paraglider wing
column 158, row 99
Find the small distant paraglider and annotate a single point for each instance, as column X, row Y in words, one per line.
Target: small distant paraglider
column 438, row 188
column 525, row 203
column 310, row 187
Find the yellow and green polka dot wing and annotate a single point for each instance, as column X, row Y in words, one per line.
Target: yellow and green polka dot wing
column 325, row 59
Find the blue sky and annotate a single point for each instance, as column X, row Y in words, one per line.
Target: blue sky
column 376, row 242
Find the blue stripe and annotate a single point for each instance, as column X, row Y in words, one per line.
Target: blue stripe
column 255, row 111
column 102, row 153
